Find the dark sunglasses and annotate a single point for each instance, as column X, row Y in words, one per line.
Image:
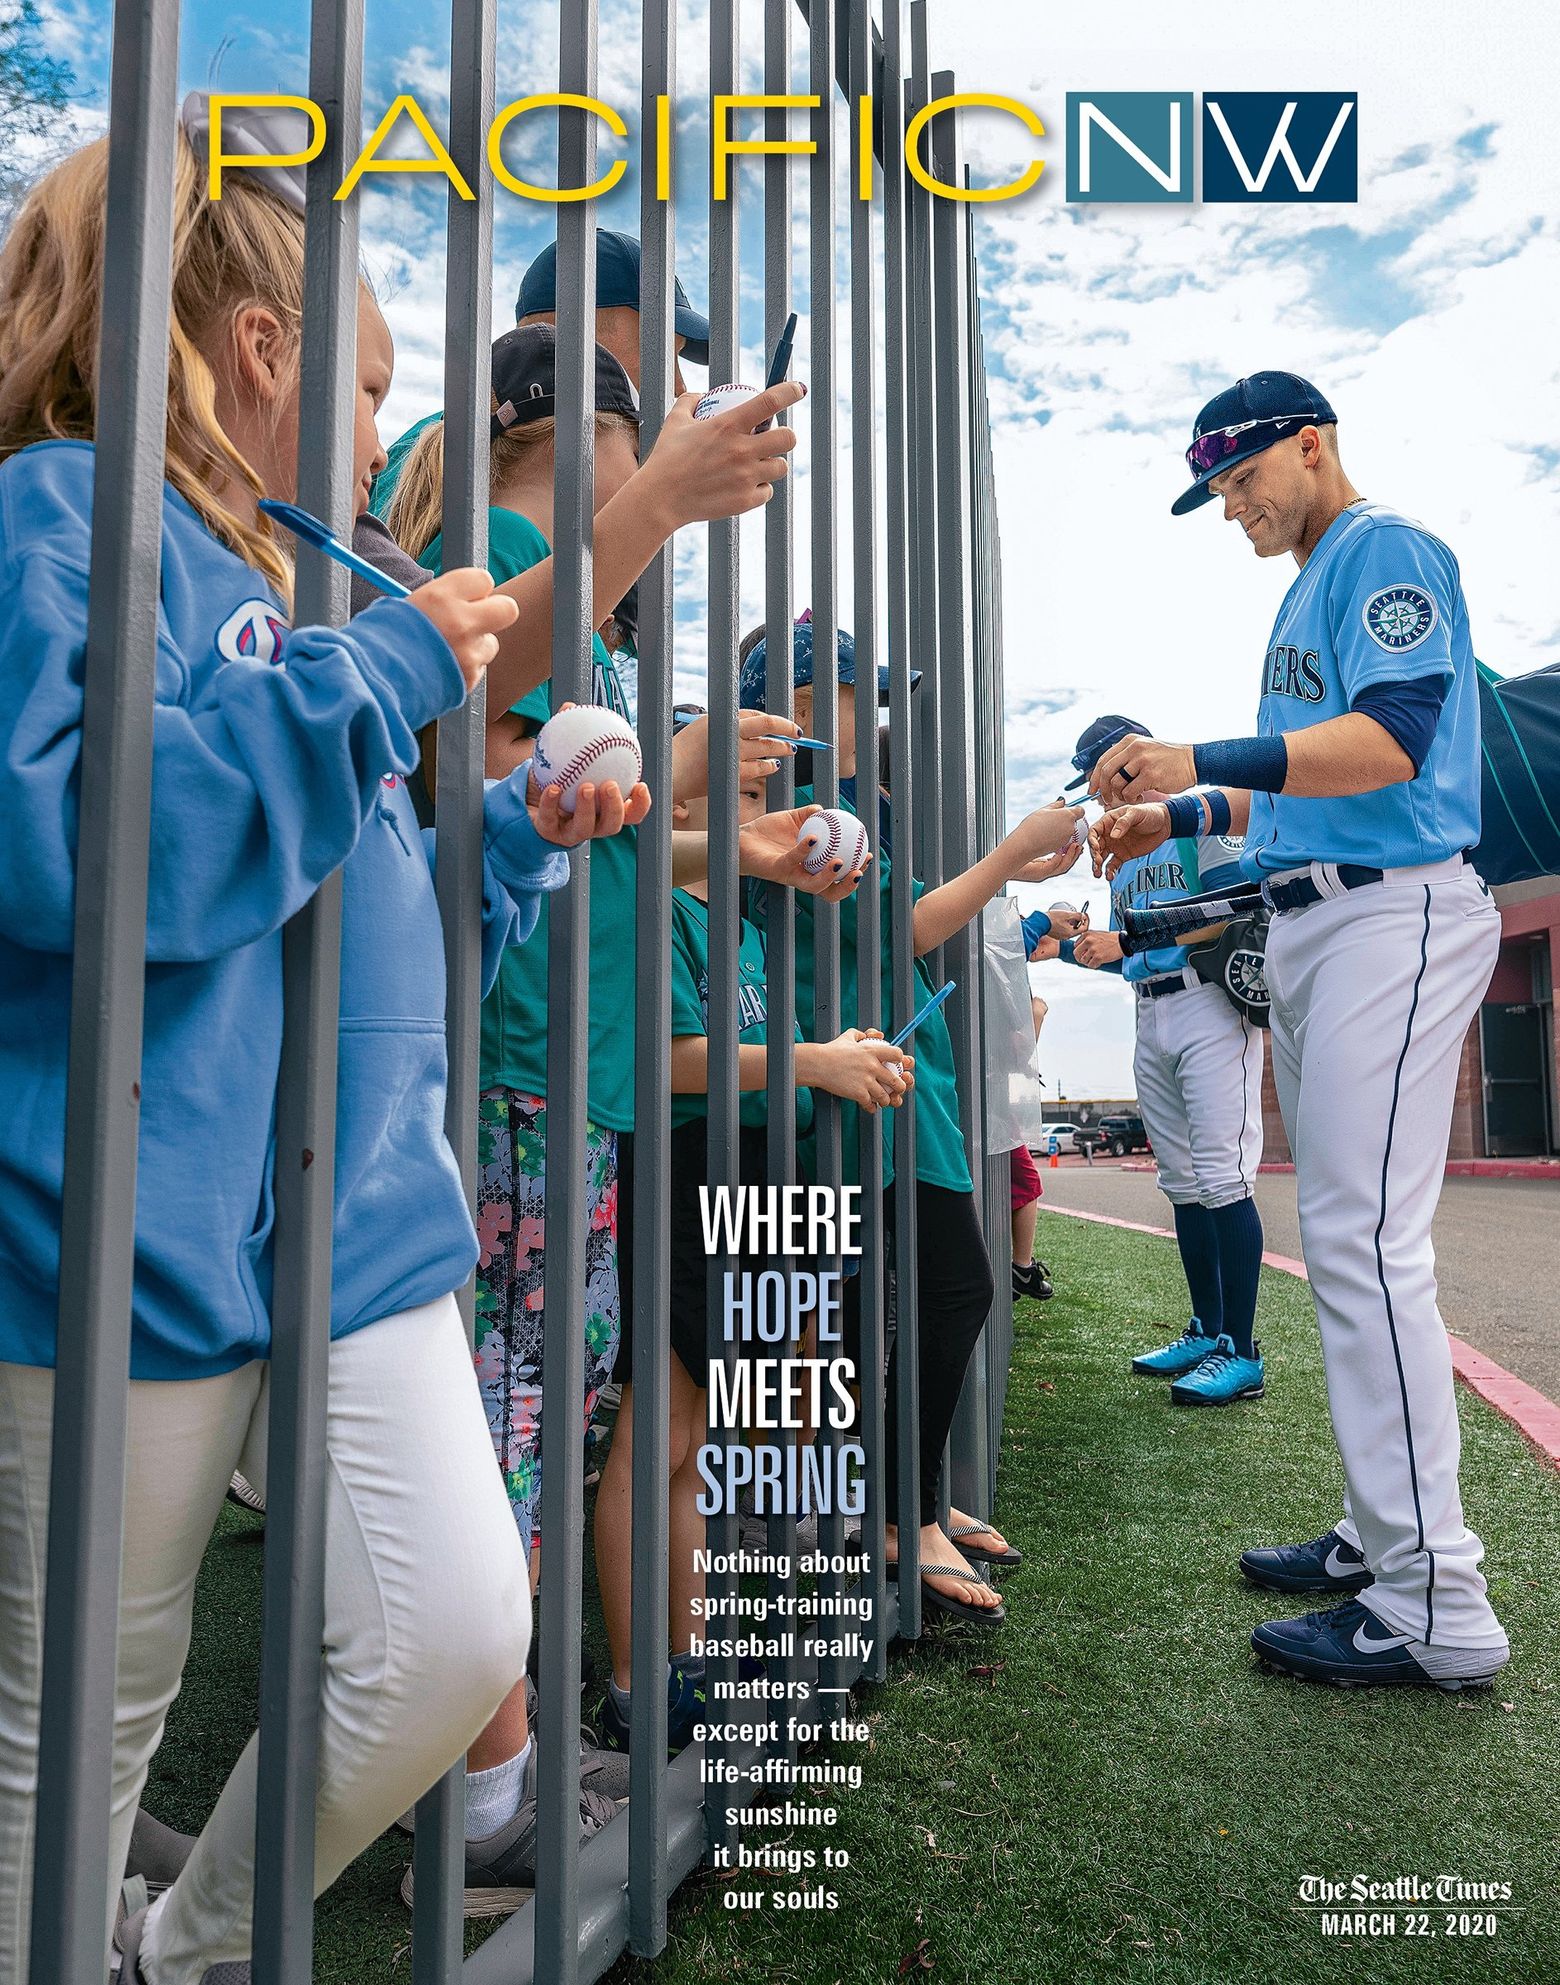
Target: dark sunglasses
column 1208, row 450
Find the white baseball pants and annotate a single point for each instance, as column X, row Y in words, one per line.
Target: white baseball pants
column 1198, row 1065
column 1373, row 992
column 427, row 1609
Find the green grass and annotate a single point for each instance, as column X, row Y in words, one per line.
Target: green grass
column 1108, row 1788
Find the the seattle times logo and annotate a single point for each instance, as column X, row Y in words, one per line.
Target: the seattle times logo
column 1128, row 147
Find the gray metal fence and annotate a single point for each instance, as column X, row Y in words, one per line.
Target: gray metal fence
column 924, row 564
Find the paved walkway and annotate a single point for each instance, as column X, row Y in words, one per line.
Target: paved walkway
column 1497, row 1252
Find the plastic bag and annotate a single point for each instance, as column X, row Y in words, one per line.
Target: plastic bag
column 1014, row 1112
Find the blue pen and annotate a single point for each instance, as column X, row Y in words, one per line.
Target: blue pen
column 813, row 743
column 313, row 532
column 930, row 1007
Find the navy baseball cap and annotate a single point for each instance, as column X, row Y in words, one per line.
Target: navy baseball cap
column 1245, row 419
column 1097, row 740
column 617, row 287
column 525, row 379
column 752, row 682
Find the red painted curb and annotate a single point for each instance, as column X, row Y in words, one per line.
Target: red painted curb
column 1536, row 1418
column 1456, row 1168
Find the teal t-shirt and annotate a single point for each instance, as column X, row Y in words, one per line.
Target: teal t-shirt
column 514, row 1014
column 691, row 1005
column 939, row 1142
column 379, row 497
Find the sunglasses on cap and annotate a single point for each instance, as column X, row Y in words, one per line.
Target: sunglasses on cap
column 1208, row 450
column 1085, row 761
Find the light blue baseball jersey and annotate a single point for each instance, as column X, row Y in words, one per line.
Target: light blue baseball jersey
column 1379, row 600
column 1173, row 870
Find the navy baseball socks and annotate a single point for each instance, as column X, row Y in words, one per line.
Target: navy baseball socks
column 1351, row 1648
column 1196, row 1238
column 1215, row 1361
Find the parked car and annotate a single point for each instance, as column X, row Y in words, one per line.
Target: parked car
column 1120, row 1135
column 1066, row 1135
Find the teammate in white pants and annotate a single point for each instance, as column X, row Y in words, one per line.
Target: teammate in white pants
column 1198, row 1067
column 1358, row 796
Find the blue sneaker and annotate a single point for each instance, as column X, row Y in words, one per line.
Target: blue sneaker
column 1353, row 1649
column 1326, row 1564
column 1221, row 1378
column 1187, row 1352
column 684, row 1708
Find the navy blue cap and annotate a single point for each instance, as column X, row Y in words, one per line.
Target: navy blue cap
column 751, row 686
column 1097, row 740
column 1245, row 419
column 525, row 379
column 617, row 287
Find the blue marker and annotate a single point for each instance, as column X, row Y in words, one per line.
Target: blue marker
column 313, row 532
column 930, row 1007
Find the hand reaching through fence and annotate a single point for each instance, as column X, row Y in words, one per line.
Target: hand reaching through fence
column 470, row 615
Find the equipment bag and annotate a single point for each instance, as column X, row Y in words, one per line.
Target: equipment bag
column 1520, row 724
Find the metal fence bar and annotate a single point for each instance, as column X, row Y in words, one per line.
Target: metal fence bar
column 959, row 814
column 780, row 925
column 652, row 1373
column 826, row 1021
column 439, row 1848
column 901, row 627
column 858, row 56
column 925, row 328
column 293, row 1607
column 725, row 897
column 71, row 1875
column 568, row 1042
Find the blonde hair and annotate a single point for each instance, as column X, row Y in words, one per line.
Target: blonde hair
column 246, row 248
column 416, row 514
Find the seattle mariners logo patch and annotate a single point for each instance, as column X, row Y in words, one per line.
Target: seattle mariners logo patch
column 1399, row 617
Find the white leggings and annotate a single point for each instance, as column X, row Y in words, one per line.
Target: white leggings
column 427, row 1609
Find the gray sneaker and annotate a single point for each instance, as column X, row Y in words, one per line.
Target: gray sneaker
column 243, row 1492
column 157, row 1853
column 127, row 1942
column 501, row 1870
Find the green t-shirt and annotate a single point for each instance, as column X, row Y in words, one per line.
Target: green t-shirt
column 514, row 1014
column 939, row 1142
column 691, row 1005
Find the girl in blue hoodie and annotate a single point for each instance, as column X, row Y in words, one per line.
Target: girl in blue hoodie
column 279, row 755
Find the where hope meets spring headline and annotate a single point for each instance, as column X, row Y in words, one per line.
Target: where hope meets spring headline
column 724, row 147
column 786, row 1392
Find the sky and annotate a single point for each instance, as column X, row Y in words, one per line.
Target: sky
column 1424, row 312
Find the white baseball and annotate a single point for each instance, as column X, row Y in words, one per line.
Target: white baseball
column 832, row 836
column 586, row 744
column 721, row 399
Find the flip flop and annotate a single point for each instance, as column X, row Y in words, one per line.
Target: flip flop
column 980, row 1616
column 980, row 1555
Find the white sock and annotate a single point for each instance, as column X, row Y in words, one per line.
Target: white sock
column 493, row 1797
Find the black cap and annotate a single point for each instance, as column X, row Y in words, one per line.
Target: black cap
column 525, row 367
column 1245, row 419
column 617, row 287
column 1097, row 740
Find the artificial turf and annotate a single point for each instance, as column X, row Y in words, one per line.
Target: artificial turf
column 1106, row 1788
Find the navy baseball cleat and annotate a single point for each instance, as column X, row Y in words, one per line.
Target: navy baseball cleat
column 1327, row 1564
column 1222, row 1378
column 1171, row 1360
column 1352, row 1649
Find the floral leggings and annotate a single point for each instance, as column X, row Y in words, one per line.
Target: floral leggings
column 511, row 1184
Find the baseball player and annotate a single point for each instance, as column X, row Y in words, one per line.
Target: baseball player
column 1198, row 1066
column 1358, row 795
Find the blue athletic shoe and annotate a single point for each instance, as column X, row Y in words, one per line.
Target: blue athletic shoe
column 1189, row 1349
column 1353, row 1649
column 1221, row 1378
column 1326, row 1564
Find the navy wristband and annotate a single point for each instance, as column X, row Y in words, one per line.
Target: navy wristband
column 1219, row 810
column 1253, row 764
column 1186, row 816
